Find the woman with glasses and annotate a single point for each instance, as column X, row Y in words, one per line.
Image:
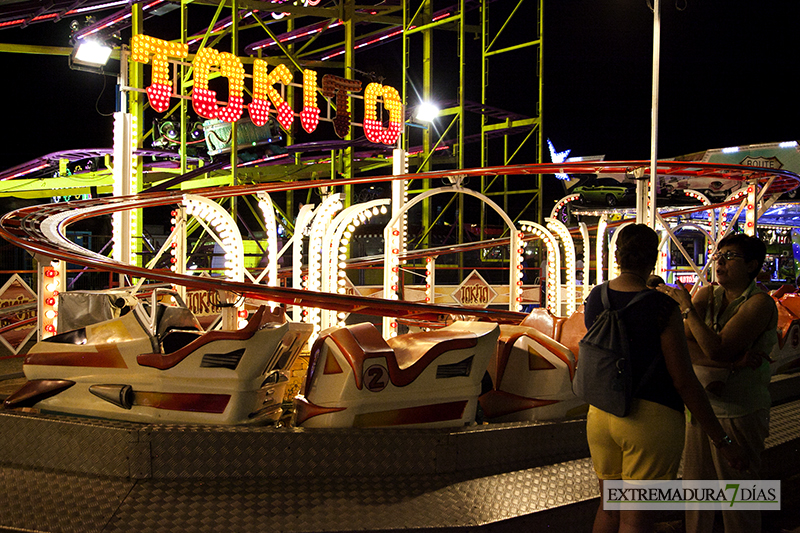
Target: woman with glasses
column 731, row 328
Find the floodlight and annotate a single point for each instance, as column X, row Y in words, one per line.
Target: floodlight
column 426, row 112
column 91, row 53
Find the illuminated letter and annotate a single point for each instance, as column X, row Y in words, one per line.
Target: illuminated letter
column 263, row 89
column 309, row 116
column 259, row 106
column 339, row 87
column 160, row 89
column 204, row 100
column 373, row 127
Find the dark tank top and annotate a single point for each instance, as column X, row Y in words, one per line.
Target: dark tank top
column 644, row 323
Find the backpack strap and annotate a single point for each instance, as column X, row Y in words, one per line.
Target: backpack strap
column 604, row 296
column 641, row 295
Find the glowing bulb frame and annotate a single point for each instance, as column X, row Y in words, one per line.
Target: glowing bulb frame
column 602, row 226
column 304, row 218
column 568, row 199
column 392, row 238
column 336, row 237
column 562, row 232
column 125, row 224
column 221, row 226
column 51, row 280
column 553, row 281
column 271, row 226
column 671, row 233
column 322, row 219
column 587, row 257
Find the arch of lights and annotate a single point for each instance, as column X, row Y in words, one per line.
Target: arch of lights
column 602, row 226
column 613, row 267
column 560, row 230
column 697, row 195
column 222, row 228
column 271, row 230
column 322, row 219
column 334, row 252
column 271, row 227
column 553, row 283
column 703, row 199
column 304, row 218
column 392, row 247
column 723, row 217
column 587, row 258
column 561, row 203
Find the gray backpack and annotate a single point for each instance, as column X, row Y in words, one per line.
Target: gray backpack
column 603, row 374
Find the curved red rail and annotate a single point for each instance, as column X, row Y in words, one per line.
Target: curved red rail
column 23, row 228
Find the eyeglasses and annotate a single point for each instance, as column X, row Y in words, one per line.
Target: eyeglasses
column 725, row 255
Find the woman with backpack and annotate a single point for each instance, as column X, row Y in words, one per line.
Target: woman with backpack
column 645, row 443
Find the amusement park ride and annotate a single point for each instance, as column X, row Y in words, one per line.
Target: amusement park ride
column 58, row 367
column 459, row 352
column 408, row 355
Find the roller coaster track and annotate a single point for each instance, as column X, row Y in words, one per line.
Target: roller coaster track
column 42, row 230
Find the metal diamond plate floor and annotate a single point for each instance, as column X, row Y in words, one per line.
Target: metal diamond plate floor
column 61, row 474
column 56, row 501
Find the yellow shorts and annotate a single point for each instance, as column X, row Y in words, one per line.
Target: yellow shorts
column 646, row 444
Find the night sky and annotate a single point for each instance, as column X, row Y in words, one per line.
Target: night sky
column 727, row 78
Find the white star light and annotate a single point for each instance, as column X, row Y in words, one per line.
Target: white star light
column 558, row 157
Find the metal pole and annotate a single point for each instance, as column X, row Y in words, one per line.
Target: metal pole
column 654, row 118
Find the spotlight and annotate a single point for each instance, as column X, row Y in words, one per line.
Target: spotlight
column 89, row 55
column 426, row 112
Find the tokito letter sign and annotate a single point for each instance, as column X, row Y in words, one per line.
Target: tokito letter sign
column 204, row 100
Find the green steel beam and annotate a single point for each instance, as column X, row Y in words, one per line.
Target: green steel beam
column 137, row 103
column 348, row 17
column 35, row 49
column 62, row 186
column 488, row 42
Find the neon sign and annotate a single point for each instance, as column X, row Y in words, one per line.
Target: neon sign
column 204, row 100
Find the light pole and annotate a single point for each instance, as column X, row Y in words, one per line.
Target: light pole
column 642, row 216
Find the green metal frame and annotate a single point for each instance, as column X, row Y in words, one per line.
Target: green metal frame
column 417, row 19
column 415, row 16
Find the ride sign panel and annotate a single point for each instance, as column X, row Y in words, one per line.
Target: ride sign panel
column 145, row 48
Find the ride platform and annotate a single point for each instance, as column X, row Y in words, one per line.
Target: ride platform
column 73, row 474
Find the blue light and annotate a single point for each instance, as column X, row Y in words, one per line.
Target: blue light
column 558, row 157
